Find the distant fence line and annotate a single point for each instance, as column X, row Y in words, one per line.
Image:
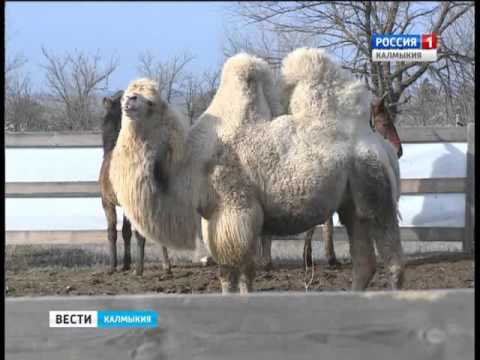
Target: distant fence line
column 92, row 139
column 85, row 189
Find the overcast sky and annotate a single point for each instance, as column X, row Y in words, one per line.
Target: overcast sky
column 120, row 29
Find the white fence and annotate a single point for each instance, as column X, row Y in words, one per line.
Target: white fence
column 77, row 187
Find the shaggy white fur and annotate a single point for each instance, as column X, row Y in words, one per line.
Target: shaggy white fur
column 318, row 87
column 245, row 174
column 320, row 91
column 148, row 154
column 246, row 94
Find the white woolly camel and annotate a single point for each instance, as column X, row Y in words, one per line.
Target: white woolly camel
column 246, row 176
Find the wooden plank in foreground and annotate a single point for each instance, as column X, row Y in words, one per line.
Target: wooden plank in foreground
column 39, row 237
column 64, row 189
column 375, row 325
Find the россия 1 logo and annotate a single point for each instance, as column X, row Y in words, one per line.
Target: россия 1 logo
column 422, row 48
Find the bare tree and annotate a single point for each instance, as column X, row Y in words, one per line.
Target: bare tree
column 74, row 81
column 169, row 74
column 347, row 27
column 198, row 92
column 271, row 46
column 23, row 111
column 447, row 96
column 192, row 90
column 13, row 64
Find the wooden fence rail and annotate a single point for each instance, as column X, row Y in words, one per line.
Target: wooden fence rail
column 50, row 237
column 89, row 189
column 94, row 139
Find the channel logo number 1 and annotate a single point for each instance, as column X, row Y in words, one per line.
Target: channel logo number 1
column 429, row 41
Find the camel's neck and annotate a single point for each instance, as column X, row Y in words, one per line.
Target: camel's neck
column 160, row 210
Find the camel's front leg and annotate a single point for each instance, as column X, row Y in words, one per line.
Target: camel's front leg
column 232, row 235
column 127, row 235
column 111, row 216
column 229, row 276
column 247, row 277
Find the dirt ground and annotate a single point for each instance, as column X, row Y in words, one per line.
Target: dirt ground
column 197, row 280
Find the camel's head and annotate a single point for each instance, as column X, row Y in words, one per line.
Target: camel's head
column 381, row 122
column 111, row 120
column 112, row 103
column 140, row 100
column 112, row 107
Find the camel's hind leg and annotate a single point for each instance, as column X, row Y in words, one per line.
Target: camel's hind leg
column 327, row 235
column 307, row 248
column 374, row 188
column 374, row 191
column 167, row 266
column 362, row 253
column 386, row 235
column 127, row 235
column 111, row 216
column 140, row 252
column 264, row 252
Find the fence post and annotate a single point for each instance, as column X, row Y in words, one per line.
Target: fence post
column 469, row 238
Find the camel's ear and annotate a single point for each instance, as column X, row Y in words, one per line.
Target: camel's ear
column 107, row 102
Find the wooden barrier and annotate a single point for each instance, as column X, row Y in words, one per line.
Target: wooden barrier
column 435, row 324
column 91, row 188
column 88, row 189
column 94, row 139
column 25, row 237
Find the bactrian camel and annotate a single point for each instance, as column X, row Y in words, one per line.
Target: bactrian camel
column 110, row 130
column 381, row 122
column 247, row 177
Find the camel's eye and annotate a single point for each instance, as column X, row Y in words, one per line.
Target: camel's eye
column 149, row 103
